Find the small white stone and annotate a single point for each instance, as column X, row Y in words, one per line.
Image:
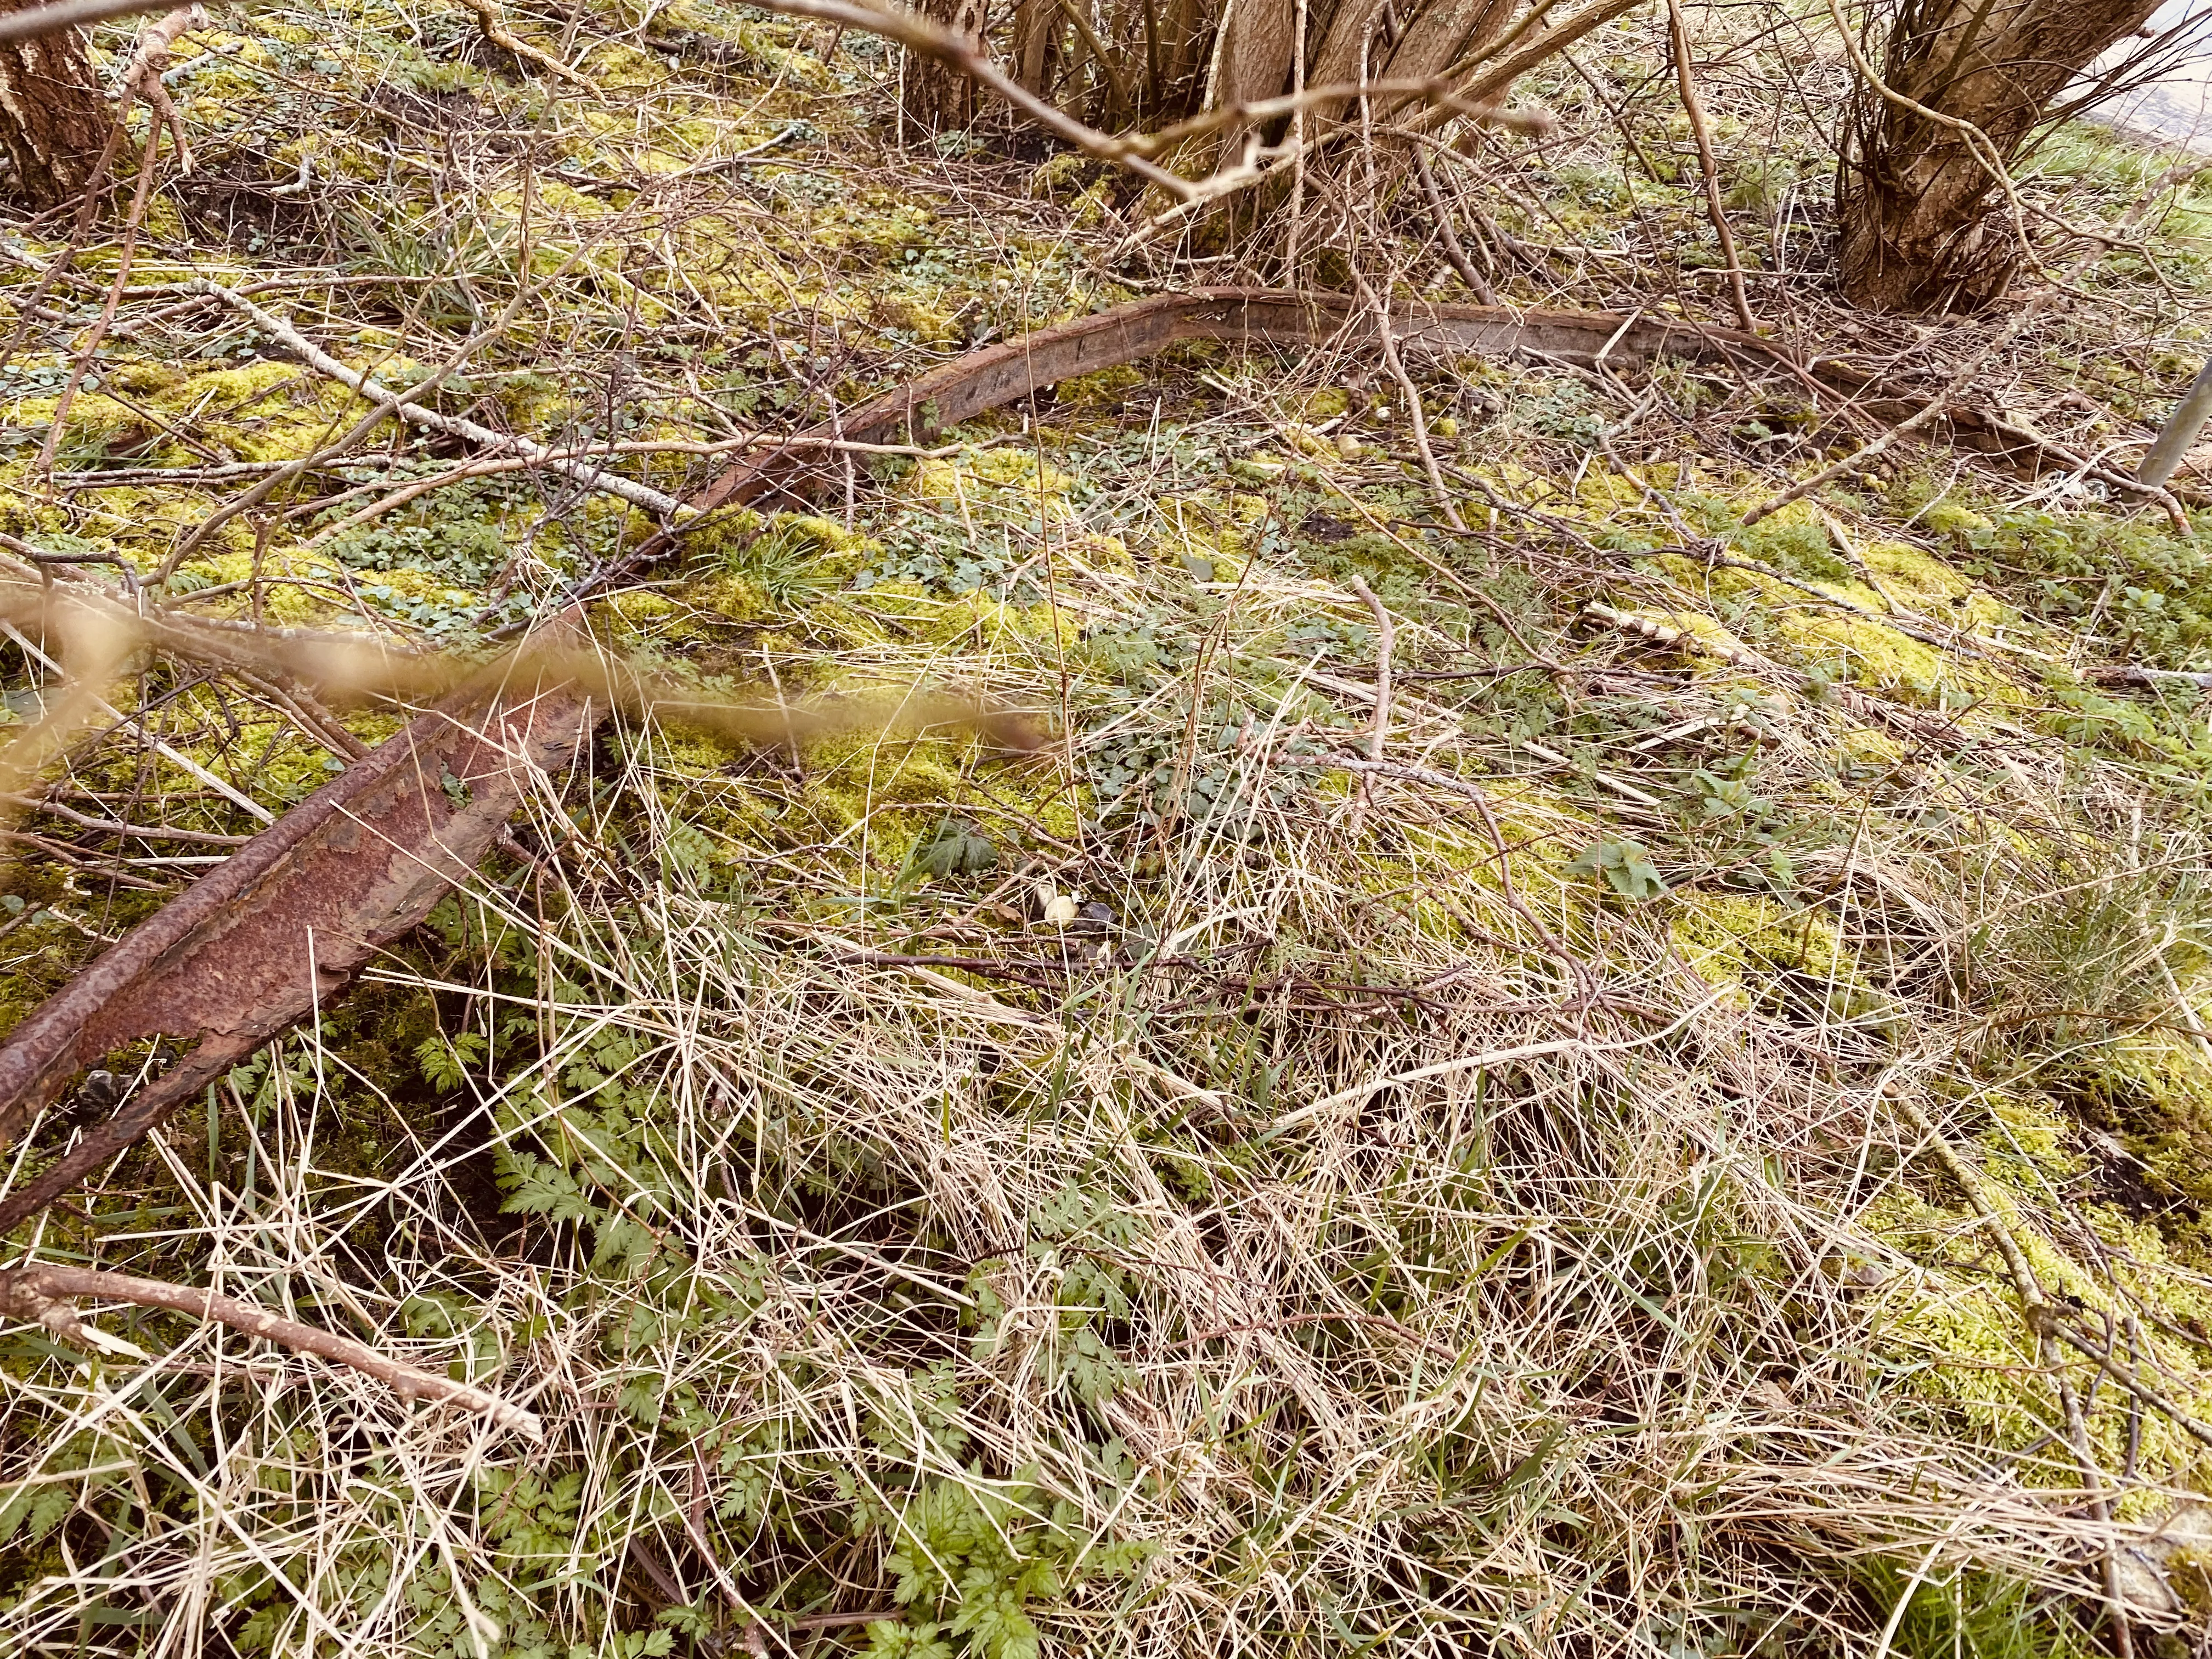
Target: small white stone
column 1061, row 910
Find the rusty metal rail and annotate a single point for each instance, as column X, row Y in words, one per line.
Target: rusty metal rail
column 995, row 376
column 281, row 927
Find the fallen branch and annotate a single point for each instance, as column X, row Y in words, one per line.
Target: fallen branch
column 44, row 1293
column 111, row 827
column 591, row 477
column 999, row 374
column 2131, row 674
column 497, row 31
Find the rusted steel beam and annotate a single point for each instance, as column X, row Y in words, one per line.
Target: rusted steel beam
column 282, row 926
column 997, row 375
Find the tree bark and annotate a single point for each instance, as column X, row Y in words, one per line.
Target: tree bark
column 53, row 115
column 1410, row 42
column 935, row 98
column 1258, row 46
column 1918, row 199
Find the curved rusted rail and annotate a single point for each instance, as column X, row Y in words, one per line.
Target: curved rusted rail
column 995, row 376
column 281, row 927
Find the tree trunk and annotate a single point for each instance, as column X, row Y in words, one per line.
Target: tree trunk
column 1919, row 208
column 1401, row 42
column 935, row 98
column 53, row 115
column 1258, row 44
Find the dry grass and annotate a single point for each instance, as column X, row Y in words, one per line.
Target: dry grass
column 1229, row 1270
column 1485, row 1210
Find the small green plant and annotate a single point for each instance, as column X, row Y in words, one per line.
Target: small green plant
column 1719, row 796
column 1972, row 1615
column 1625, row 866
column 958, row 848
column 970, row 1563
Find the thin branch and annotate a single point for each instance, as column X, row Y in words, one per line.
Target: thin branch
column 968, row 57
column 1415, row 416
column 641, row 495
column 43, row 1293
column 1678, row 33
column 497, row 31
column 1446, row 233
column 73, row 14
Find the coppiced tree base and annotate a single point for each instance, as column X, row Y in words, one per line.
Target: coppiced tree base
column 53, row 115
column 1919, row 202
column 1913, row 242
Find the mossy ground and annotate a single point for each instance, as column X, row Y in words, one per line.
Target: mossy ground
column 586, row 1133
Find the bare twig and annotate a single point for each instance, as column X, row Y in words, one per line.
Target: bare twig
column 1416, row 417
column 43, row 1293
column 1678, row 33
column 497, row 31
column 389, row 401
column 1447, row 233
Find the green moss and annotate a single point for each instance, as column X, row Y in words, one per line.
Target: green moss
column 1870, row 654
column 1767, row 956
column 1104, row 387
column 2155, row 1089
column 297, row 587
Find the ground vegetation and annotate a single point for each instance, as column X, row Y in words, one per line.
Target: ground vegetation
column 1576, row 1026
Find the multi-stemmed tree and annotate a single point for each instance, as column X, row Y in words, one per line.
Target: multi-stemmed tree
column 1957, row 89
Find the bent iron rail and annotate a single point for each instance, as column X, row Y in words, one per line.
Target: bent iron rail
column 993, row 376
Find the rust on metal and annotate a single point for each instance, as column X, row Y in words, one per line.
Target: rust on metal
column 283, row 925
column 997, row 375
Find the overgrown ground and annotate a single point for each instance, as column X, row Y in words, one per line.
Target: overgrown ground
column 1165, row 1191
